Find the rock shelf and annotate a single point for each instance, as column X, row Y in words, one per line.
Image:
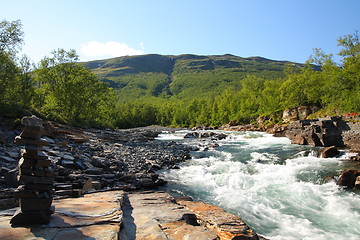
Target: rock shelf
column 142, row 215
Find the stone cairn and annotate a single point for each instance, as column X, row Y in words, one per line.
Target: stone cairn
column 36, row 177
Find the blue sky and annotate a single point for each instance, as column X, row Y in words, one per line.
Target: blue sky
column 275, row 29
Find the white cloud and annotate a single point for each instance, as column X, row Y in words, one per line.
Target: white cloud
column 97, row 50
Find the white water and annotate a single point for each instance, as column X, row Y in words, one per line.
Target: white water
column 280, row 190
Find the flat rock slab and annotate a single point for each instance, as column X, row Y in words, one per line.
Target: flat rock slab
column 156, row 216
column 94, row 216
column 226, row 225
column 144, row 215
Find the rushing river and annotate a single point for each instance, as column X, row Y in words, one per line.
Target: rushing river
column 281, row 190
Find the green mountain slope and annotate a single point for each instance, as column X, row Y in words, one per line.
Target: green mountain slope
column 182, row 76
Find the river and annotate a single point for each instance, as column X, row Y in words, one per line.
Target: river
column 281, row 190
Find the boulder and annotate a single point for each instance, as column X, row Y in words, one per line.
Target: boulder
column 348, row 177
column 298, row 113
column 290, row 115
column 329, row 152
column 212, row 135
column 191, row 135
column 317, row 132
column 277, row 130
column 355, row 158
column 32, row 121
column 351, row 136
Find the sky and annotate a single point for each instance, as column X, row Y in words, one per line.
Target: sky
column 100, row 29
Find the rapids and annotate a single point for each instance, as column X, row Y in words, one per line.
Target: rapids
column 282, row 191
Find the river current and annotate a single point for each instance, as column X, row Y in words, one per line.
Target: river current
column 281, row 190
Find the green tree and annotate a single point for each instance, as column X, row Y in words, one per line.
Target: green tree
column 351, row 70
column 11, row 36
column 16, row 86
column 70, row 92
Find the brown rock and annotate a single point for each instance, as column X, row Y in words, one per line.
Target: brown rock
column 21, row 192
column 30, row 218
column 329, row 152
column 32, row 132
column 26, row 163
column 25, row 171
column 63, row 192
column 37, row 180
column 87, row 185
column 10, row 178
column 63, row 187
column 226, row 225
column 316, row 132
column 42, row 163
column 39, row 186
column 290, row 115
column 191, row 219
column 76, row 193
column 298, row 113
column 355, row 158
column 277, row 130
column 30, row 152
column 348, row 177
column 35, row 204
column 156, row 216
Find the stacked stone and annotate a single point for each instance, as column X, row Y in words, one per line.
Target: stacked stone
column 36, row 177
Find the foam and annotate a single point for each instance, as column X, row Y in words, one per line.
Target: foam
column 279, row 198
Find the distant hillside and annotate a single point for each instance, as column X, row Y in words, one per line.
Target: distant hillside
column 182, row 76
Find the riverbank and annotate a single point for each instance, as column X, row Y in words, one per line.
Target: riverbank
column 103, row 159
column 141, row 215
column 92, row 161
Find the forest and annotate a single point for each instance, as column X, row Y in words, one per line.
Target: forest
column 62, row 89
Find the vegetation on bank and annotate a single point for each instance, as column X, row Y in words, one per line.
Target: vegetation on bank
column 185, row 90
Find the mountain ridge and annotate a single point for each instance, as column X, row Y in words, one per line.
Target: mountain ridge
column 182, row 76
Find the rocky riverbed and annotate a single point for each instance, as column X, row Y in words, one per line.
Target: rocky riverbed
column 86, row 159
column 112, row 162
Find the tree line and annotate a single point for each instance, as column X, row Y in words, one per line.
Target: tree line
column 59, row 88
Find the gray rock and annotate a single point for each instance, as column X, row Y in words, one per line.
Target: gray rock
column 8, row 159
column 14, row 155
column 68, row 157
column 32, row 121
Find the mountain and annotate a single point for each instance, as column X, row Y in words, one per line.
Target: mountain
column 182, row 76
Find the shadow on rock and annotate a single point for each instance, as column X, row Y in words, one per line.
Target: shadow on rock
column 61, row 230
column 128, row 227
